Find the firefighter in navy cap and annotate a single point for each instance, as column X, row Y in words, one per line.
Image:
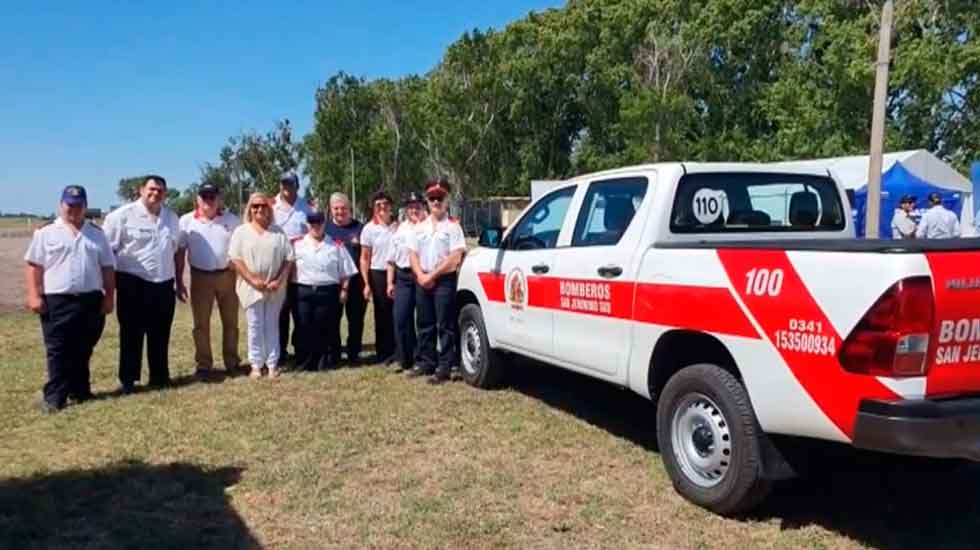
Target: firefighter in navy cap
column 401, row 280
column 71, row 282
column 205, row 234
column 903, row 226
column 324, row 268
column 145, row 236
column 436, row 254
column 938, row 222
column 289, row 212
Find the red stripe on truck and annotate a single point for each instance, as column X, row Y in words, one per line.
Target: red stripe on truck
column 955, row 364
column 797, row 327
column 708, row 309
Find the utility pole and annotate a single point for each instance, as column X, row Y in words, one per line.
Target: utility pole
column 873, row 206
column 353, row 189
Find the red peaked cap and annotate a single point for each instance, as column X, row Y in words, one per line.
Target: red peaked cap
column 437, row 187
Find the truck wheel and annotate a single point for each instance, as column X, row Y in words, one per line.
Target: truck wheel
column 710, row 440
column 481, row 366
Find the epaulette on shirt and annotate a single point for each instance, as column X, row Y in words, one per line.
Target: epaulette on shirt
column 454, row 219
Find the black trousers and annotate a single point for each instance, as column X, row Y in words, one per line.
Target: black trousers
column 145, row 310
column 288, row 310
column 404, row 317
column 355, row 308
column 437, row 318
column 384, row 329
column 316, row 319
column 71, row 325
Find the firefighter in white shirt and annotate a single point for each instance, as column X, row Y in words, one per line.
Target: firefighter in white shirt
column 323, row 271
column 144, row 234
column 70, row 284
column 375, row 251
column 903, row 226
column 938, row 222
column 436, row 255
column 401, row 281
column 205, row 235
column 289, row 212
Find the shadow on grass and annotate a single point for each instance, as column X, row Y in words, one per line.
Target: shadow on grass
column 879, row 500
column 127, row 505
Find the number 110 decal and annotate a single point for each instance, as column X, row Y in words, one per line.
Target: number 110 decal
column 762, row 282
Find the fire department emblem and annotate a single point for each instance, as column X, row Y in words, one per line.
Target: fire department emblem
column 517, row 289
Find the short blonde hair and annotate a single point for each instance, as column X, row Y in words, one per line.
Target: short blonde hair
column 253, row 198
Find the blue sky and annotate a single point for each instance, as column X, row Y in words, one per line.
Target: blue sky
column 91, row 92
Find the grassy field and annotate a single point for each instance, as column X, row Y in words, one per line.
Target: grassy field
column 365, row 458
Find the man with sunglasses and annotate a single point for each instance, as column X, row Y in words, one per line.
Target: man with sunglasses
column 144, row 234
column 436, row 253
column 205, row 235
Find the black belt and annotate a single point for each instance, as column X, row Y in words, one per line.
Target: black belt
column 315, row 288
column 404, row 269
column 209, row 270
column 90, row 294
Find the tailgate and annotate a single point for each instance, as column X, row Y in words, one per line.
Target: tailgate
column 955, row 365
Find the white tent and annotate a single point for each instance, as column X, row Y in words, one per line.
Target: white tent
column 852, row 172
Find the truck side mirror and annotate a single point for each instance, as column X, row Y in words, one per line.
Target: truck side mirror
column 490, row 237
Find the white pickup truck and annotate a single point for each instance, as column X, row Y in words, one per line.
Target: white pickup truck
column 736, row 297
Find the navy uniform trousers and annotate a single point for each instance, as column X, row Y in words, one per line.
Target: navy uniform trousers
column 354, row 309
column 317, row 318
column 288, row 311
column 145, row 310
column 437, row 318
column 404, row 317
column 384, row 330
column 72, row 324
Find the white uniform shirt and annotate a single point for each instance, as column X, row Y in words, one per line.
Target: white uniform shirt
column 291, row 219
column 401, row 244
column 144, row 247
column 938, row 223
column 379, row 238
column 321, row 263
column 207, row 240
column 436, row 240
column 902, row 225
column 72, row 263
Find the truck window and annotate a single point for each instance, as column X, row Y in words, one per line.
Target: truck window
column 749, row 202
column 607, row 211
column 540, row 226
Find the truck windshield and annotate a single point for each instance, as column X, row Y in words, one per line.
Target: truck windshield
column 756, row 202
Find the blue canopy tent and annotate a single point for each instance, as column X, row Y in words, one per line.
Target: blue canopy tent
column 915, row 173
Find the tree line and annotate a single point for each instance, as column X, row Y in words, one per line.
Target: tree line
column 601, row 83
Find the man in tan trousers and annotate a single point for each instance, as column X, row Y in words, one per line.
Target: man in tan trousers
column 205, row 235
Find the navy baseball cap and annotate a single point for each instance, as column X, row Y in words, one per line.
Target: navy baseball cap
column 289, row 179
column 412, row 198
column 74, row 195
column 208, row 189
column 907, row 198
column 935, row 198
column 315, row 217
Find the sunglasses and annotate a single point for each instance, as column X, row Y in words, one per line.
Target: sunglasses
column 208, row 197
column 439, row 198
column 258, row 206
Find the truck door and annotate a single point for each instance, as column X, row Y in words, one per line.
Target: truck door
column 519, row 276
column 596, row 275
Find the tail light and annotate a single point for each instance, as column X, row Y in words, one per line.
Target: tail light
column 893, row 337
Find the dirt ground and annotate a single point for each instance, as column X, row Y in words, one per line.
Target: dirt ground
column 12, row 273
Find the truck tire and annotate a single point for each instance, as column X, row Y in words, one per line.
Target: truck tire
column 480, row 365
column 710, row 440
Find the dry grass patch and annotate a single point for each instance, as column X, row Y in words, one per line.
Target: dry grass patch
column 365, row 458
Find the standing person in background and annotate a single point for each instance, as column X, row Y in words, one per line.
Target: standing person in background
column 938, row 222
column 436, row 255
column 205, row 235
column 903, row 226
column 343, row 228
column 70, row 284
column 289, row 213
column 401, row 281
column 323, row 269
column 144, row 235
column 263, row 258
column 375, row 251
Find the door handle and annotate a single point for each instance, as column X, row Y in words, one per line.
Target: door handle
column 540, row 268
column 610, row 271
